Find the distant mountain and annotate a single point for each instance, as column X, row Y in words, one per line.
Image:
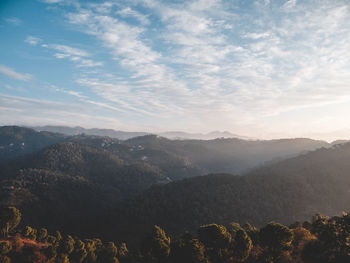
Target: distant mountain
column 122, row 135
column 200, row 136
column 340, row 142
column 176, row 158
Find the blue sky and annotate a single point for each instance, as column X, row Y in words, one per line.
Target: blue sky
column 259, row 68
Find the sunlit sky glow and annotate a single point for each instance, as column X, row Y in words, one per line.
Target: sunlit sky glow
column 261, row 68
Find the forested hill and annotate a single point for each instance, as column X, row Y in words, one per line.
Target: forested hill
column 16, row 141
column 287, row 191
column 176, row 158
column 68, row 184
column 230, row 155
column 112, row 187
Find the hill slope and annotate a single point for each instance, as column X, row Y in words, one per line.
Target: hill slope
column 17, row 141
column 287, row 191
column 69, row 183
column 227, row 155
column 176, row 158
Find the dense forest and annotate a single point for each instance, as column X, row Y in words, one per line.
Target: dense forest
column 323, row 240
column 89, row 186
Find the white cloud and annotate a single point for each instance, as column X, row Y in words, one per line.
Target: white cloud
column 79, row 56
column 256, row 36
column 289, row 5
column 33, row 40
column 88, row 63
column 132, row 53
column 13, row 74
column 61, row 55
column 128, row 12
column 70, row 51
column 52, row 1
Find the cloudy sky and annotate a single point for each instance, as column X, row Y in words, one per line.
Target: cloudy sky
column 264, row 68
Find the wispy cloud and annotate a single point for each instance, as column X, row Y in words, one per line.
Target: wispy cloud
column 26, row 111
column 128, row 12
column 264, row 72
column 52, row 1
column 289, row 5
column 33, row 40
column 70, row 51
column 9, row 72
column 13, row 21
column 76, row 55
column 210, row 63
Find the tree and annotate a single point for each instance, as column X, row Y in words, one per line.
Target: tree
column 42, row 235
column 276, row 239
column 188, row 250
column 91, row 250
column 51, row 239
column 49, row 252
column 302, row 237
column 252, row 232
column 10, row 217
column 313, row 252
column 29, row 232
column 62, row 258
column 157, row 245
column 79, row 253
column 5, row 259
column 108, row 254
column 122, row 250
column 5, row 248
column 217, row 242
column 333, row 236
column 241, row 243
column 58, row 236
column 66, row 245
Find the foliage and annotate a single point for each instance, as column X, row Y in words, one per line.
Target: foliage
column 327, row 241
column 10, row 217
column 276, row 239
column 156, row 245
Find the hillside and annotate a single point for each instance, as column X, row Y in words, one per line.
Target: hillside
column 288, row 191
column 173, row 165
column 120, row 187
column 17, row 141
column 229, row 155
column 67, row 182
column 177, row 159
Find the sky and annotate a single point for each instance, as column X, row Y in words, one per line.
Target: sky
column 264, row 68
